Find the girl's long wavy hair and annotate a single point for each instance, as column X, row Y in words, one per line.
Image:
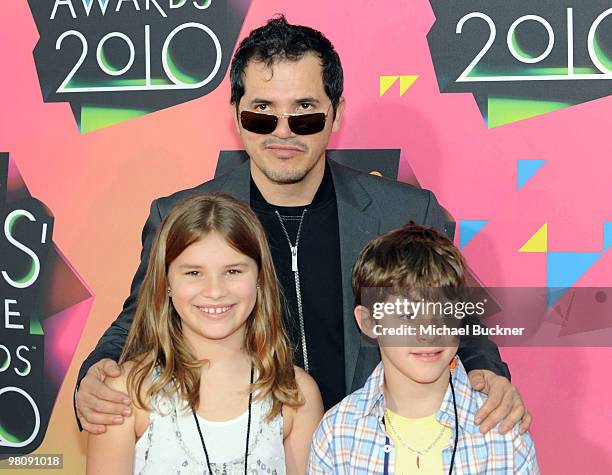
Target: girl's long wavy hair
column 156, row 338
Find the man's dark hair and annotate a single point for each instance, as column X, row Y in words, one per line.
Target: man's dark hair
column 278, row 40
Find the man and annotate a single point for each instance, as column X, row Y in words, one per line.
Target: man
column 287, row 83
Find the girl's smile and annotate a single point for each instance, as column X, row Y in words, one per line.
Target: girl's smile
column 213, row 289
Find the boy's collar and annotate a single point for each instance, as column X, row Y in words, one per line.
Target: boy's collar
column 372, row 401
column 467, row 403
column 372, row 398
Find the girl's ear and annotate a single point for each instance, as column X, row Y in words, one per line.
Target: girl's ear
column 364, row 320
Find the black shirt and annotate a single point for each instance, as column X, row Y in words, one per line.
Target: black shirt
column 320, row 282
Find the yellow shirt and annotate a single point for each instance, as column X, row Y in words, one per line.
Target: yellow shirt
column 418, row 434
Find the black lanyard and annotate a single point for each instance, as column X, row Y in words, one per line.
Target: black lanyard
column 248, row 431
column 388, row 442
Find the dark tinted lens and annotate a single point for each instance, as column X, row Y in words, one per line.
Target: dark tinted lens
column 258, row 123
column 307, row 124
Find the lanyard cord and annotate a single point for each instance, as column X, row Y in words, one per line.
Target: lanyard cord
column 248, row 432
column 296, row 278
column 387, row 447
column 450, row 471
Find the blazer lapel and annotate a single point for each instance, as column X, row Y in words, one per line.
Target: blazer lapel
column 238, row 182
column 358, row 223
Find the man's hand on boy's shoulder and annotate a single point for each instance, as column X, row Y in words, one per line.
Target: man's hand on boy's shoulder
column 503, row 402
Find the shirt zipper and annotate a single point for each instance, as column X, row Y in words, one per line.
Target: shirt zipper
column 296, row 278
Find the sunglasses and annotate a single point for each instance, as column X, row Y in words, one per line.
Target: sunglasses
column 300, row 124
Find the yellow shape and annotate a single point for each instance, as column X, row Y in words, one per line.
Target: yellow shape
column 386, row 82
column 406, row 82
column 538, row 242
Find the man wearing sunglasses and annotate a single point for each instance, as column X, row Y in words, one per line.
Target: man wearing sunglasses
column 286, row 91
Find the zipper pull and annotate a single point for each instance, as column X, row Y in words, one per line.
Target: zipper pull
column 294, row 267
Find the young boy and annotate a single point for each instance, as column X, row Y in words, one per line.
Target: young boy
column 415, row 413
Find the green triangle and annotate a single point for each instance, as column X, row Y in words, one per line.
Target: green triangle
column 35, row 326
column 505, row 110
column 97, row 117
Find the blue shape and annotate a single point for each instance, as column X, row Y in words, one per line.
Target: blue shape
column 563, row 269
column 526, row 169
column 468, row 228
column 607, row 236
column 553, row 295
column 88, row 2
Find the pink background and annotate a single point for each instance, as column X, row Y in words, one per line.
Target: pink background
column 99, row 186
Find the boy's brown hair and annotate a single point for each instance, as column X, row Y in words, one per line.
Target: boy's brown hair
column 410, row 257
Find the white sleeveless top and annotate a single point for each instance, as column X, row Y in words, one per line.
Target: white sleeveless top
column 171, row 444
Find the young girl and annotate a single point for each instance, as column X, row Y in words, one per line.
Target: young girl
column 207, row 360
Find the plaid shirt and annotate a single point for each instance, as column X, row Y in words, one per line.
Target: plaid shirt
column 351, row 438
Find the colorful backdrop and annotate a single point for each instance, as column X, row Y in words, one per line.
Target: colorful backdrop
column 502, row 108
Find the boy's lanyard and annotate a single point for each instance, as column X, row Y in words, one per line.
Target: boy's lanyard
column 387, row 448
column 387, row 451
